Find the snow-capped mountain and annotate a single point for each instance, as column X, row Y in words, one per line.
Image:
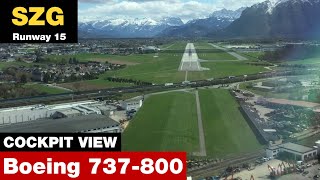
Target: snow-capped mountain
column 201, row 27
column 228, row 14
column 278, row 18
column 123, row 28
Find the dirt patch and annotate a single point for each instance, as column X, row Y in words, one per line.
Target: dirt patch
column 113, row 61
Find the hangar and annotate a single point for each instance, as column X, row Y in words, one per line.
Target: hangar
column 91, row 123
column 35, row 112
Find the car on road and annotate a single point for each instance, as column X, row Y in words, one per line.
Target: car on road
column 305, row 173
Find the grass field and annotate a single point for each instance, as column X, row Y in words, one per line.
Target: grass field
column 45, row 89
column 207, row 52
column 161, row 69
column 92, row 85
column 165, row 68
column 85, row 57
column 166, row 122
column 226, row 131
column 224, row 69
column 16, row 63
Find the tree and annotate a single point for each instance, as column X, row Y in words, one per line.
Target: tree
column 23, row 78
column 46, row 78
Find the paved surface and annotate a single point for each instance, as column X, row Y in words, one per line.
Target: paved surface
column 200, row 126
column 260, row 172
column 234, row 54
column 190, row 60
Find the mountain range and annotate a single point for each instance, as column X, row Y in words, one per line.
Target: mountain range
column 272, row 18
column 278, row 18
column 126, row 28
column 147, row 27
column 218, row 20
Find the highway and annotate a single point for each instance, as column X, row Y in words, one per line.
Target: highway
column 103, row 93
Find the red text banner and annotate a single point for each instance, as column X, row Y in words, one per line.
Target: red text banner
column 95, row 165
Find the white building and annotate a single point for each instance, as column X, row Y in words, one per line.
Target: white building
column 92, row 123
column 131, row 104
column 299, row 152
column 31, row 113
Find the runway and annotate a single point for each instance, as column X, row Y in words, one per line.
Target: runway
column 190, row 60
column 234, row 54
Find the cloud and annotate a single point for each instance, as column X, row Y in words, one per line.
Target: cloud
column 156, row 9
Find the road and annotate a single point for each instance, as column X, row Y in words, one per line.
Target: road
column 202, row 141
column 190, row 60
column 234, row 54
column 215, row 169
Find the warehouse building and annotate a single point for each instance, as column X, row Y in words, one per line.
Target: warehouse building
column 134, row 104
column 93, row 123
column 74, row 109
column 296, row 151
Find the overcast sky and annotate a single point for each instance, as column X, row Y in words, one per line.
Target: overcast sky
column 155, row 9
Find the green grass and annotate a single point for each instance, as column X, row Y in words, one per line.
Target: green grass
column 165, row 68
column 95, row 84
column 224, row 69
column 45, row 89
column 180, row 45
column 226, row 131
column 85, row 57
column 4, row 65
column 166, row 122
column 159, row 70
column 162, row 69
column 207, row 52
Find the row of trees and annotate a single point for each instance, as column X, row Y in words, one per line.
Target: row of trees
column 18, row 76
column 48, row 77
column 8, row 91
column 132, row 81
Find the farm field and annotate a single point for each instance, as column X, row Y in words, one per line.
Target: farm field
column 45, row 89
column 226, row 131
column 166, row 122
